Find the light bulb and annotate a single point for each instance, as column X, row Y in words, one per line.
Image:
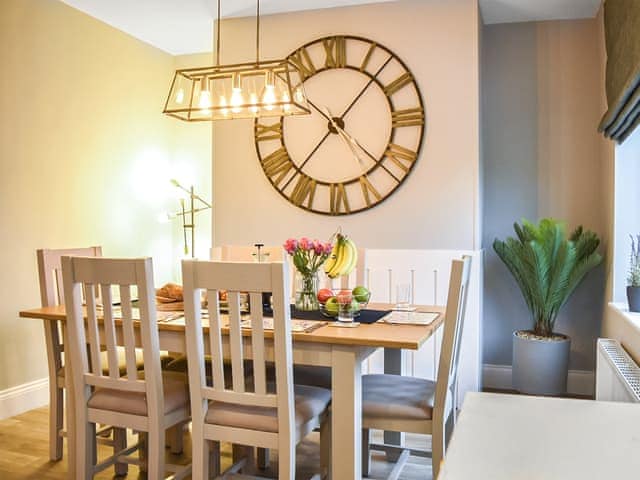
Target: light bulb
column 287, row 102
column 223, row 104
column 269, row 92
column 204, row 101
column 299, row 95
column 253, row 100
column 180, row 96
column 236, row 94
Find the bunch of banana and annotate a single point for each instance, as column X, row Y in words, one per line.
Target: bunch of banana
column 343, row 257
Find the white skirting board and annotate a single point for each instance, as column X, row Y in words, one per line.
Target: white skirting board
column 25, row 397
column 580, row 382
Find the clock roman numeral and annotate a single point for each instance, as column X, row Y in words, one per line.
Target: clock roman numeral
column 401, row 156
column 407, row 118
column 338, row 201
column 268, row 132
column 305, row 189
column 367, row 57
column 367, row 188
column 302, row 61
column 335, row 49
column 276, row 165
column 400, row 82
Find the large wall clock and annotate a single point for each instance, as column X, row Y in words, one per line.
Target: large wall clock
column 364, row 134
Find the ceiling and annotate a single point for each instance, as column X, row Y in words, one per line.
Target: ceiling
column 181, row 27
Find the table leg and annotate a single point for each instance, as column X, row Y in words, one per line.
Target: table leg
column 393, row 365
column 346, row 411
column 70, row 412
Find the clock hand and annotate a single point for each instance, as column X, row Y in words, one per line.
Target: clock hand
column 326, row 135
column 364, row 89
column 351, row 142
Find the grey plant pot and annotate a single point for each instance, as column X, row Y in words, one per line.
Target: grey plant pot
column 540, row 367
column 633, row 297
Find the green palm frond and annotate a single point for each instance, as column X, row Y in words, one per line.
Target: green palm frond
column 547, row 266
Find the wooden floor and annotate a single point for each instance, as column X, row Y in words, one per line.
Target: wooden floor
column 24, row 454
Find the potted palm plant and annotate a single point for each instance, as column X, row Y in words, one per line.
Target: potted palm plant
column 547, row 267
column 633, row 279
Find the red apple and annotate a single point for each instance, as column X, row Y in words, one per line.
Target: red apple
column 324, row 294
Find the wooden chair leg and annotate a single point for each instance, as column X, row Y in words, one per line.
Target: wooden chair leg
column 263, row 458
column 325, row 447
column 201, row 454
column 143, row 451
column 437, row 447
column 175, row 436
column 56, row 420
column 155, row 452
column 85, row 446
column 120, row 443
column 215, row 468
column 366, row 452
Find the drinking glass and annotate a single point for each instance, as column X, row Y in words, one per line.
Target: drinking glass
column 345, row 312
column 403, row 296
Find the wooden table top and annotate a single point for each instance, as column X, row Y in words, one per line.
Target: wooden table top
column 379, row 334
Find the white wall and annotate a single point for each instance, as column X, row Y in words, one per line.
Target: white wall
column 437, row 206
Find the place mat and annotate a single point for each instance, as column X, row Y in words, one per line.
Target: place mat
column 366, row 316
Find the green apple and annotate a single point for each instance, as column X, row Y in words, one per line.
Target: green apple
column 331, row 306
column 355, row 306
column 361, row 294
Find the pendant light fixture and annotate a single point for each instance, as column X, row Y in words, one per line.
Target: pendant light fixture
column 257, row 89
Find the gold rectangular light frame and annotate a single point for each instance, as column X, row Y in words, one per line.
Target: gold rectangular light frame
column 187, row 102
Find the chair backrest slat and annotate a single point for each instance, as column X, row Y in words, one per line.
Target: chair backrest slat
column 257, row 344
column 235, row 339
column 236, row 277
column 109, row 331
column 453, row 326
column 105, row 273
column 128, row 332
column 93, row 333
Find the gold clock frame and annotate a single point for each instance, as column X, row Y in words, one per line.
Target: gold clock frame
column 277, row 164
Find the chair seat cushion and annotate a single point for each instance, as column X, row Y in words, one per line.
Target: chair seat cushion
column 310, row 402
column 176, row 395
column 397, row 397
column 165, row 359
column 305, row 375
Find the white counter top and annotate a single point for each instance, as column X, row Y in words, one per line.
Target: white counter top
column 517, row 437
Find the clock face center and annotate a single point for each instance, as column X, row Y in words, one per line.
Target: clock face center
column 338, row 121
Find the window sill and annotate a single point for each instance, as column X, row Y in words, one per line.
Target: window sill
column 632, row 317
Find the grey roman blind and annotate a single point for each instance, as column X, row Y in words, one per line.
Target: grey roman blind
column 622, row 35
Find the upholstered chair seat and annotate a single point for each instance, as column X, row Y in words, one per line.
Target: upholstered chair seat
column 407, row 398
column 176, row 396
column 309, row 401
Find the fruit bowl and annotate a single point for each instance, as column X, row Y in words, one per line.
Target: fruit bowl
column 357, row 301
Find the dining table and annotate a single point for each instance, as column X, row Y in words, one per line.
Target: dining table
column 342, row 348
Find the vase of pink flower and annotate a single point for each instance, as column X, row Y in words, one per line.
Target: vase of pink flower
column 308, row 256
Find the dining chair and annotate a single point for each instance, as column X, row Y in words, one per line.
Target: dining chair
column 415, row 405
column 256, row 413
column 148, row 401
column 52, row 294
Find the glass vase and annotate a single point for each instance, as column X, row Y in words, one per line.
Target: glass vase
column 307, row 291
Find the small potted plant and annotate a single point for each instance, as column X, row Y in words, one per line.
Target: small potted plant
column 547, row 267
column 633, row 279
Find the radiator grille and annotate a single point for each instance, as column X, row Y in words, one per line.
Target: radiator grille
column 626, row 369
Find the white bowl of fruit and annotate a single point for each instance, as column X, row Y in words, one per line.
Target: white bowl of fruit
column 330, row 300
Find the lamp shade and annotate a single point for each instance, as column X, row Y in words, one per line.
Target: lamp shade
column 248, row 90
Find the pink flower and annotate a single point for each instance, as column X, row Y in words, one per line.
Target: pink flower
column 318, row 247
column 305, row 244
column 327, row 247
column 290, row 245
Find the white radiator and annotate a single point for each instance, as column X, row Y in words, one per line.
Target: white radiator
column 617, row 375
